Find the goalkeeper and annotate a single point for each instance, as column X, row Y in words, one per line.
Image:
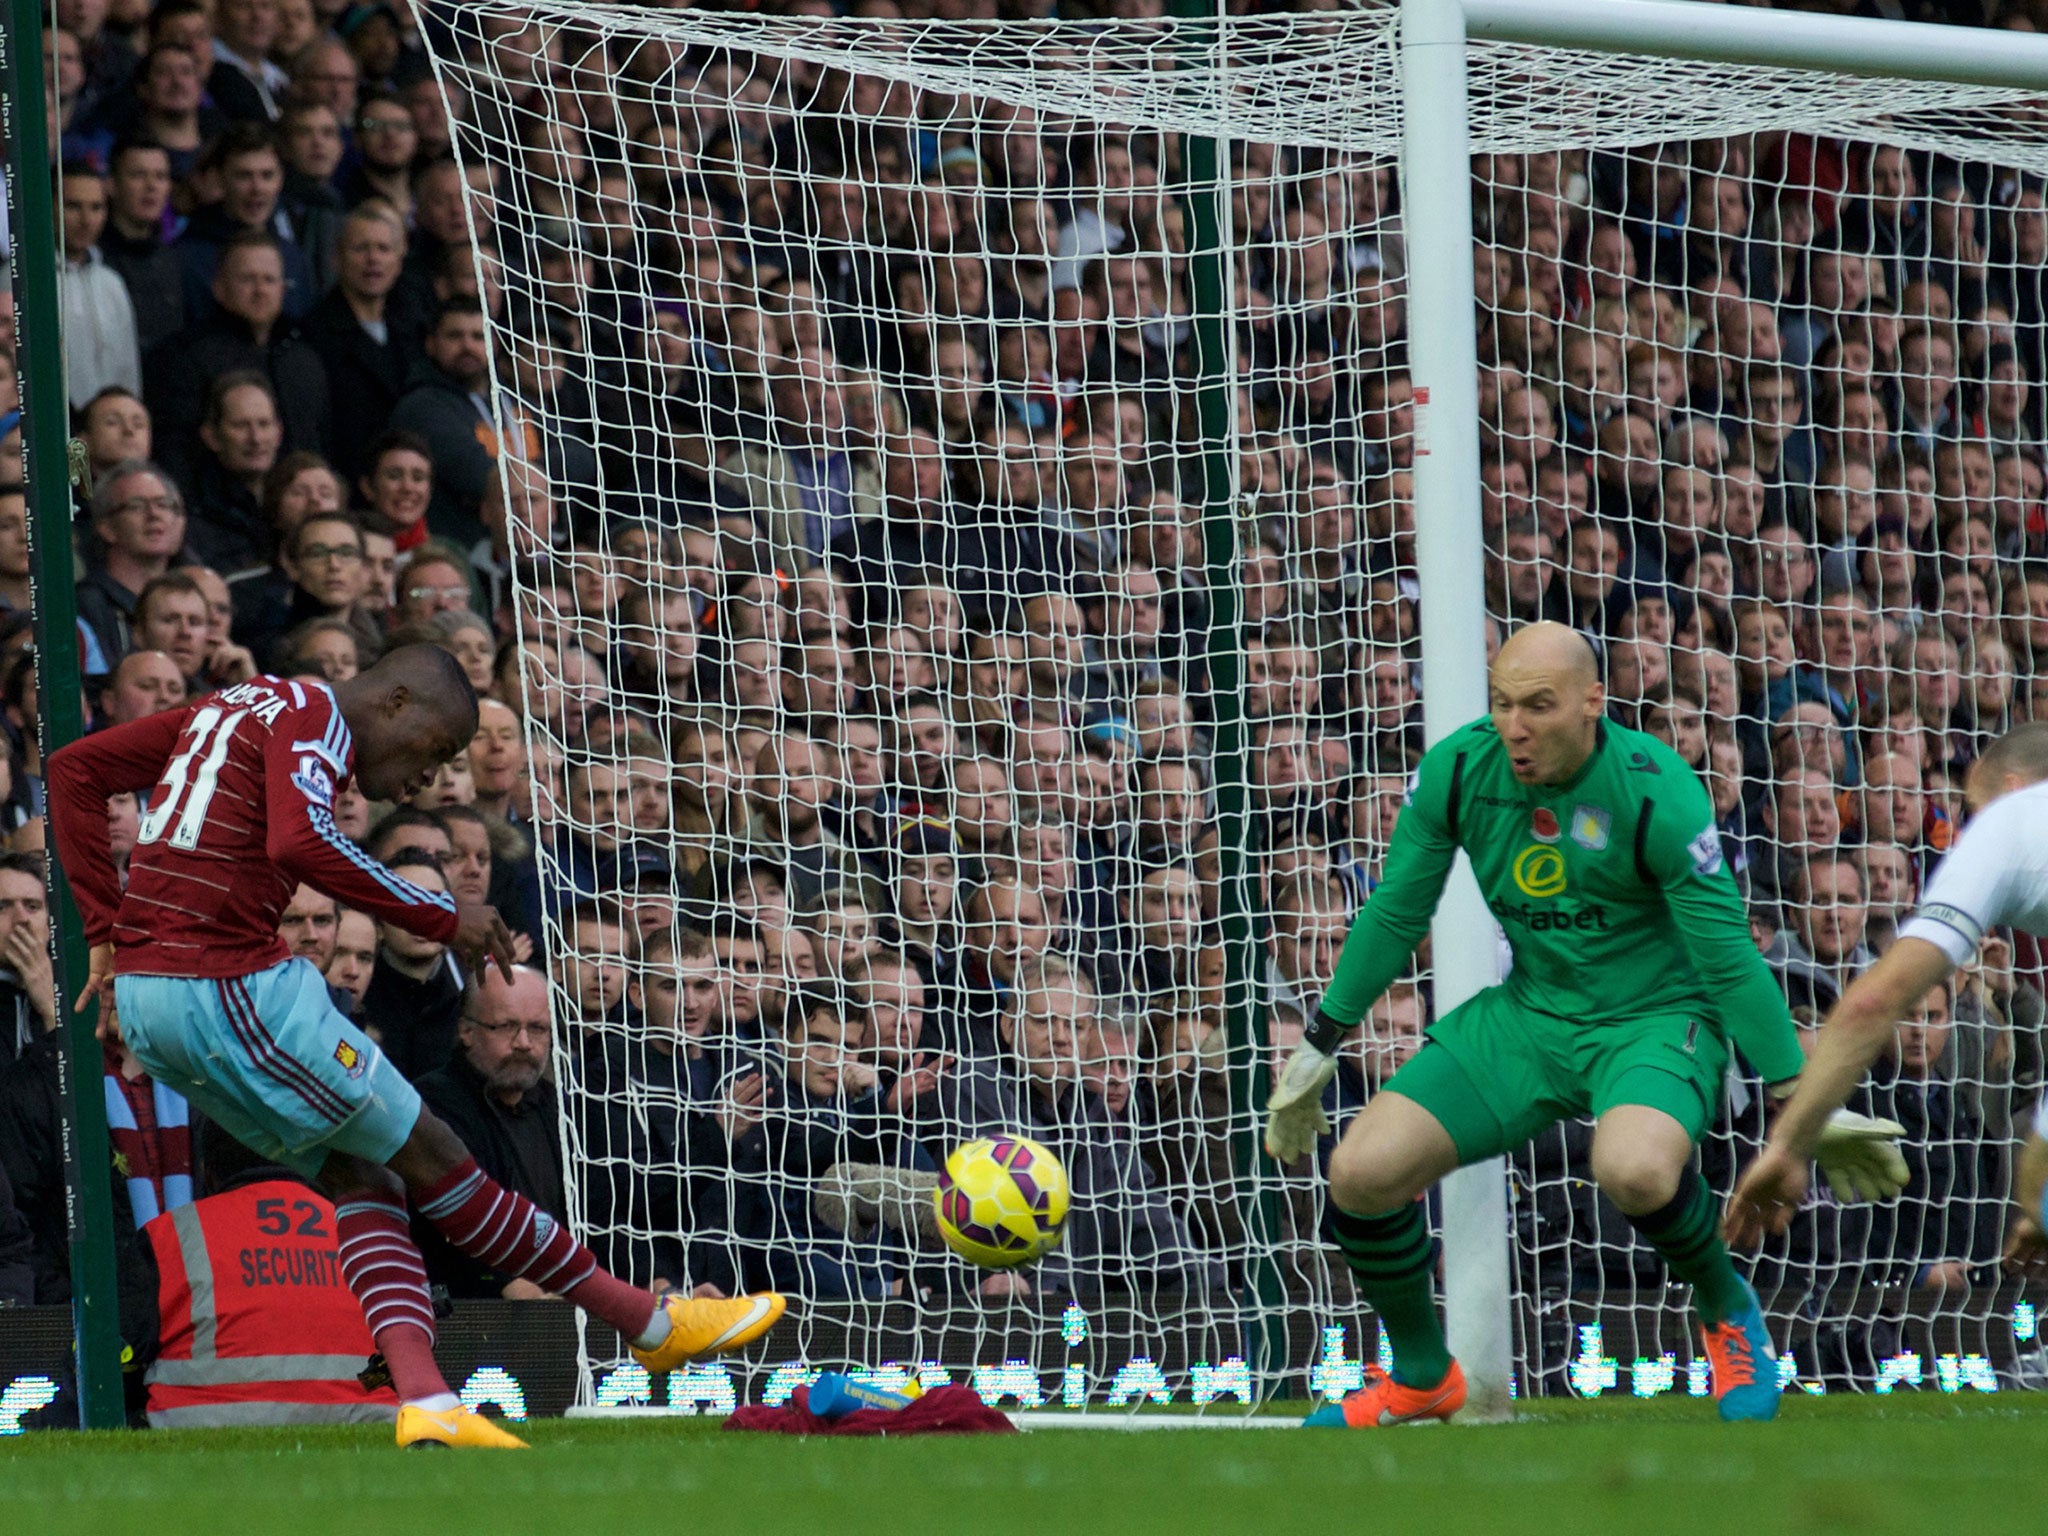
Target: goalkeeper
column 1596, row 849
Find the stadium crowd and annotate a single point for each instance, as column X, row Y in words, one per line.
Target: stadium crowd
column 832, row 566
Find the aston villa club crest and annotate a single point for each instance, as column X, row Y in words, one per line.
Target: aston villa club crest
column 1589, row 827
column 1543, row 825
column 350, row 1058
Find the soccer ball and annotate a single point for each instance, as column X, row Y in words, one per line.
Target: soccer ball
column 1001, row 1202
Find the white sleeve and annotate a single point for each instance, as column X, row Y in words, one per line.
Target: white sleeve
column 1968, row 895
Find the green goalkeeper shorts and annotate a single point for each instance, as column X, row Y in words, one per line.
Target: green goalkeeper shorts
column 1494, row 1073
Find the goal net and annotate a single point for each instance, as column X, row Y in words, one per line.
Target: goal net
column 970, row 662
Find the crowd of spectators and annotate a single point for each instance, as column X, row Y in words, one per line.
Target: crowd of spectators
column 831, row 561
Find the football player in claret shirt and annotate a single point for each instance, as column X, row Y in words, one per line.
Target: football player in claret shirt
column 1596, row 850
column 188, row 965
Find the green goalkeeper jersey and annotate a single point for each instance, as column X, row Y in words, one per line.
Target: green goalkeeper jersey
column 1611, row 889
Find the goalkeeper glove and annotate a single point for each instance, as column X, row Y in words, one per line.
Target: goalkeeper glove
column 1294, row 1114
column 1860, row 1158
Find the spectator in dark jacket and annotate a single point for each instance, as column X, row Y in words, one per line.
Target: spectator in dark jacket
column 138, row 520
column 415, row 998
column 322, row 574
column 17, row 1270
column 32, row 1143
column 138, row 193
column 311, row 136
column 493, row 1093
column 1122, row 1233
column 365, row 337
column 244, row 83
column 679, row 1064
column 440, row 228
column 241, row 437
column 824, row 1112
column 27, row 989
column 169, row 106
column 447, row 402
column 1947, row 1223
column 245, row 334
column 251, row 176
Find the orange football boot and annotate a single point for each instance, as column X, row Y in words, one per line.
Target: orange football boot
column 1383, row 1402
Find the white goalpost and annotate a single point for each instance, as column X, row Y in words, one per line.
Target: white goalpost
column 1436, row 146
column 983, row 620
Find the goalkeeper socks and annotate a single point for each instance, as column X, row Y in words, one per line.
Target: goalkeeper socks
column 1394, row 1261
column 509, row 1233
column 1687, row 1233
column 383, row 1268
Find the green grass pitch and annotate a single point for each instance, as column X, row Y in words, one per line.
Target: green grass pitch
column 1922, row 1463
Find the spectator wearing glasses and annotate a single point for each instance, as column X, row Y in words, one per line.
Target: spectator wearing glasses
column 323, row 560
column 433, row 582
column 495, row 1095
column 324, row 72
column 138, row 522
column 387, row 141
column 1784, row 569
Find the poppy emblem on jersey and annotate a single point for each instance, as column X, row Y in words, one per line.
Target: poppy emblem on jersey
column 1543, row 824
column 350, row 1058
column 1539, row 872
column 1589, row 827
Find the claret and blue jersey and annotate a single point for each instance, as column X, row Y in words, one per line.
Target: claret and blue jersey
column 241, row 786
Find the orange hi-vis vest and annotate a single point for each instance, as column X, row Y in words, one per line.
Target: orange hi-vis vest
column 256, row 1324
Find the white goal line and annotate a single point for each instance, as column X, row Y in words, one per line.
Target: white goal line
column 1028, row 1420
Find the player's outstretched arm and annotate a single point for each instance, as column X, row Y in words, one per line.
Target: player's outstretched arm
column 302, row 840
column 1381, row 942
column 1855, row 1034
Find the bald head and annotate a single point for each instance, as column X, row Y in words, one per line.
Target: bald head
column 1554, row 651
column 430, row 672
column 144, row 683
column 488, row 997
column 409, row 714
column 2015, row 760
column 1546, row 702
column 505, row 1030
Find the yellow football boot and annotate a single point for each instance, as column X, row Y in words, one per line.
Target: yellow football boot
column 702, row 1326
column 455, row 1427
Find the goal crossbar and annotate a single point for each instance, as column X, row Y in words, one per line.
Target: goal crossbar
column 1841, row 45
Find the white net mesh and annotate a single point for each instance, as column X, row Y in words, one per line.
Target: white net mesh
column 888, row 772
